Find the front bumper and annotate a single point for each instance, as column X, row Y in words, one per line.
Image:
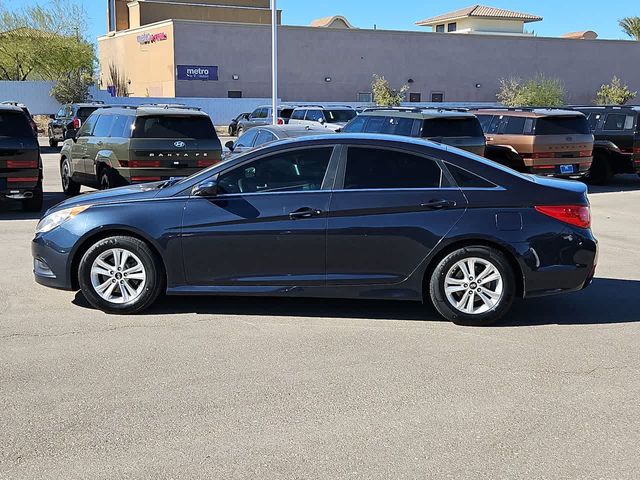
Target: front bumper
column 51, row 266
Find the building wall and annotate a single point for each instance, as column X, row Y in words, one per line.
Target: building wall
column 150, row 67
column 452, row 64
column 486, row 25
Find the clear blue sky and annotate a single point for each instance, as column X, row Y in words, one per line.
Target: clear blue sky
column 560, row 16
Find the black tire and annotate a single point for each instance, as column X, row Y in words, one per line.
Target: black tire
column 53, row 143
column 108, row 179
column 600, row 172
column 69, row 186
column 239, row 131
column 35, row 203
column 449, row 311
column 231, row 131
column 152, row 266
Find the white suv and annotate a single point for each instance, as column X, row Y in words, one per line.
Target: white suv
column 331, row 117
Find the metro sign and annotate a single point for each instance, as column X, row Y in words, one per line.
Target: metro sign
column 147, row 38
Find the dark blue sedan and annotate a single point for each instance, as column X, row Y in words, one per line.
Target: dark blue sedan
column 340, row 216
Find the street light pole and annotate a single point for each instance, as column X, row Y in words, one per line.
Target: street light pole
column 274, row 62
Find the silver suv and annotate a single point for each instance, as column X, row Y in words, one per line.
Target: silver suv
column 332, row 117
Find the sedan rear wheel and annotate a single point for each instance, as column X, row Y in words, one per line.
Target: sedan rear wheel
column 473, row 286
column 120, row 275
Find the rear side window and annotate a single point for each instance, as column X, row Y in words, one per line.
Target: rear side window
column 452, row 127
column 562, row 126
column 314, row 115
column 286, row 113
column 339, row 116
column 618, row 121
column 374, row 125
column 247, row 139
column 398, row 126
column 122, row 126
column 178, row 126
column 356, row 125
column 466, row 179
column 298, row 115
column 514, row 125
column 369, row 168
column 103, row 126
column 264, row 137
column 14, row 124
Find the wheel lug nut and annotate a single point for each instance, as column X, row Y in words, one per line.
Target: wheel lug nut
column 466, row 285
column 113, row 281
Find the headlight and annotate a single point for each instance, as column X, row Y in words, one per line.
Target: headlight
column 56, row 219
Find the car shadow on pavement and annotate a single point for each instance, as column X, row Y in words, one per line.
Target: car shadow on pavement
column 49, row 150
column 12, row 209
column 606, row 301
column 619, row 183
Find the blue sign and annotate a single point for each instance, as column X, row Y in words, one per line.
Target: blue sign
column 197, row 72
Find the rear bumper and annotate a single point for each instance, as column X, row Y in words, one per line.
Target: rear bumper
column 144, row 175
column 556, row 166
column 19, row 186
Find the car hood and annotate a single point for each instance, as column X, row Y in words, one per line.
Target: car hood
column 115, row 195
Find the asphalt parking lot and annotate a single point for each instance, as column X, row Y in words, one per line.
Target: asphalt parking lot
column 257, row 388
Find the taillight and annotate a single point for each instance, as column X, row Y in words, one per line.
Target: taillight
column 22, row 179
column 22, row 164
column 280, row 121
column 577, row 215
column 585, row 153
column 636, row 150
column 76, row 123
column 140, row 163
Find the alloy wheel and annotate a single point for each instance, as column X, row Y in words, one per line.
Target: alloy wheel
column 474, row 286
column 65, row 174
column 118, row 276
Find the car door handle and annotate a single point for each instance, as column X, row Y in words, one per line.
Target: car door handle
column 100, row 144
column 305, row 213
column 439, row 204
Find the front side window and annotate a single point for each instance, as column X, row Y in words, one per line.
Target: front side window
column 339, row 116
column 246, row 140
column 292, row 171
column 298, row 115
column 356, row 125
column 103, row 126
column 374, row 168
column 87, row 127
column 174, row 126
column 264, row 137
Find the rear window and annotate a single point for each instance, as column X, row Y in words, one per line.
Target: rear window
column 84, row 112
column 339, row 116
column 562, row 126
column 180, row 126
column 14, row 124
column 452, row 127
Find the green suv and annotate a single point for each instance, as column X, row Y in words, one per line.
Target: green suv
column 123, row 145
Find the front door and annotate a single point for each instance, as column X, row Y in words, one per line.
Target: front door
column 79, row 149
column 266, row 227
column 387, row 214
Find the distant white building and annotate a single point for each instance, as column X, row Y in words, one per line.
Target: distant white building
column 479, row 19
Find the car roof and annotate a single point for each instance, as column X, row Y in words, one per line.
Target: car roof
column 374, row 137
column 324, row 107
column 10, row 108
column 149, row 110
column 291, row 131
column 423, row 114
column 595, row 108
column 528, row 112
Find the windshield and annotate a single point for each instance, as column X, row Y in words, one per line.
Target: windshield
column 562, row 126
column 177, row 126
column 339, row 116
column 452, row 127
column 14, row 124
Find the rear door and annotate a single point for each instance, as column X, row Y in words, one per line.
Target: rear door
column 619, row 127
column 388, row 211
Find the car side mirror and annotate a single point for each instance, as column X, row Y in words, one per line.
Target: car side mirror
column 230, row 145
column 205, row 189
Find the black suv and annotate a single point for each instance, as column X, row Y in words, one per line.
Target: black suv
column 69, row 119
column 20, row 162
column 457, row 128
column 617, row 140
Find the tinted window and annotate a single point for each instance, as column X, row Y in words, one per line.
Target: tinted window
column 562, row 126
column 122, row 126
column 247, row 139
column 14, row 124
column 356, row 125
column 314, row 115
column 514, row 125
column 440, row 28
column 179, row 126
column 374, row 125
column 398, row 126
column 379, row 168
column 339, row 116
column 297, row 170
column 452, row 127
column 103, row 126
column 84, row 112
column 618, row 121
column 87, row 126
column 593, row 119
column 466, row 179
column 264, row 137
column 298, row 115
column 285, row 113
column 485, row 121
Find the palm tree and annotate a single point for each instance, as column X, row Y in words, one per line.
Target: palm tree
column 631, row 26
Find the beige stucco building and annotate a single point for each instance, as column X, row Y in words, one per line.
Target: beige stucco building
column 333, row 61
